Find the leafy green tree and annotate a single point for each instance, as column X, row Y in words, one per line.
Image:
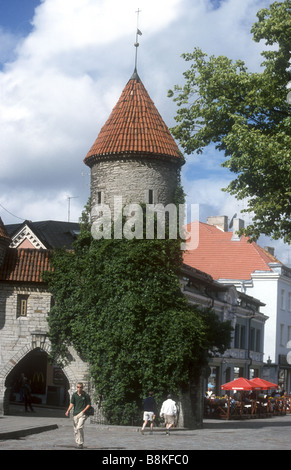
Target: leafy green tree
column 119, row 303
column 246, row 115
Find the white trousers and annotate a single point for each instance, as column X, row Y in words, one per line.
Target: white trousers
column 79, row 421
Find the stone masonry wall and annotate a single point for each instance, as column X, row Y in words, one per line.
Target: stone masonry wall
column 132, row 178
column 16, row 333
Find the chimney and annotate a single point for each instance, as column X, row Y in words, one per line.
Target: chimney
column 270, row 250
column 238, row 224
column 219, row 221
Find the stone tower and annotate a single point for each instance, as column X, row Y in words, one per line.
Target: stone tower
column 134, row 156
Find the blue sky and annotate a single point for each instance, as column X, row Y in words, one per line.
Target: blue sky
column 15, row 24
column 16, row 15
column 63, row 66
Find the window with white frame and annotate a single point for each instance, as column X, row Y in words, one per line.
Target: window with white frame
column 22, row 301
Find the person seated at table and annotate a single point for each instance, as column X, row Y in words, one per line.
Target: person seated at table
column 245, row 398
column 232, row 404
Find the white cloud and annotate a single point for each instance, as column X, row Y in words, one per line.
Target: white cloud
column 66, row 26
column 34, row 209
column 57, row 93
column 8, row 42
column 60, row 83
column 207, row 192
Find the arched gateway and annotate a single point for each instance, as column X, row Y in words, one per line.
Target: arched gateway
column 50, row 384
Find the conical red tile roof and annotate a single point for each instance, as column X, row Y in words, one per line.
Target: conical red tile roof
column 134, row 127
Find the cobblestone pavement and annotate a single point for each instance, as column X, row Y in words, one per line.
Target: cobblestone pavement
column 256, row 434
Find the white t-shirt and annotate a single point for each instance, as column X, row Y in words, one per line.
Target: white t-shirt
column 168, row 408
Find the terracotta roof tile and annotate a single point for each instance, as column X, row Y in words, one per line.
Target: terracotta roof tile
column 134, row 127
column 223, row 258
column 25, row 265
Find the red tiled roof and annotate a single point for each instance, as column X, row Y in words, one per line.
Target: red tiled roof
column 25, row 265
column 223, row 258
column 134, row 127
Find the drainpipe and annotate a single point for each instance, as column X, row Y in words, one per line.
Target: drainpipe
column 249, row 345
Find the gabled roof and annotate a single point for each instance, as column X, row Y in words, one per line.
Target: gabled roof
column 134, row 127
column 25, row 265
column 223, row 258
column 45, row 234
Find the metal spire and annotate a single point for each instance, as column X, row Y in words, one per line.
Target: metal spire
column 138, row 33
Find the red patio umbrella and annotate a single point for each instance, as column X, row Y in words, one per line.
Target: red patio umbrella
column 240, row 384
column 263, row 384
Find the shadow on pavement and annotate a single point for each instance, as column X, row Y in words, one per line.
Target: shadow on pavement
column 276, row 421
column 40, row 411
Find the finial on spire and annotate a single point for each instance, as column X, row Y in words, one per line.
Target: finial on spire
column 138, row 33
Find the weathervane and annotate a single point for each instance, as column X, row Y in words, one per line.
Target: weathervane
column 138, row 33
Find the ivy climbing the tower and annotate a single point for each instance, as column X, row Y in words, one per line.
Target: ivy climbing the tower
column 119, row 304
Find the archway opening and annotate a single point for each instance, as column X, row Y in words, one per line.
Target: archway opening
column 48, row 383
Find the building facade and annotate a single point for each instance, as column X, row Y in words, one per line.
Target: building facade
column 274, row 287
column 245, row 357
column 25, row 302
column 231, row 260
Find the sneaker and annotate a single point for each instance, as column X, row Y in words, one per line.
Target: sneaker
column 80, row 446
column 141, row 431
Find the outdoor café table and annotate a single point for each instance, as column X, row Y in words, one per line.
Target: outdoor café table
column 248, row 408
column 216, row 407
column 222, row 408
column 237, row 409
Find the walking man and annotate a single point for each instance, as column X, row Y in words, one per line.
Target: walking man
column 27, row 395
column 169, row 411
column 150, row 410
column 81, row 402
